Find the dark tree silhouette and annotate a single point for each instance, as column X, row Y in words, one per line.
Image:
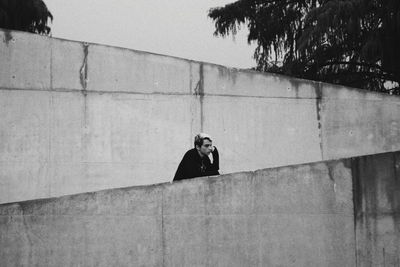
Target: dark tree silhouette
column 25, row 15
column 349, row 42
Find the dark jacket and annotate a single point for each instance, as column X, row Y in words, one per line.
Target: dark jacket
column 192, row 165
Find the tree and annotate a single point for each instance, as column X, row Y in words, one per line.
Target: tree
column 349, row 42
column 25, row 15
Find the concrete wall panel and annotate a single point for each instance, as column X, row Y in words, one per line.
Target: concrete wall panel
column 236, row 220
column 333, row 213
column 377, row 208
column 25, row 60
column 117, row 69
column 68, row 64
column 105, row 149
column 250, row 131
column 24, row 180
column 291, row 216
column 70, row 178
column 358, row 123
column 148, row 134
column 221, row 80
column 24, row 144
column 155, row 120
column 104, row 117
column 124, row 230
column 68, row 132
column 24, row 126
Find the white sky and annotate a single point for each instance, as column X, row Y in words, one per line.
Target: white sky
column 174, row 27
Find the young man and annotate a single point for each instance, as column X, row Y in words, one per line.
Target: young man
column 202, row 160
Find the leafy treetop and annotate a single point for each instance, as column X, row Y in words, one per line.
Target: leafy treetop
column 25, row 15
column 349, row 42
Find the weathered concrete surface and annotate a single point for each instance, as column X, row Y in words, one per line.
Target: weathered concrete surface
column 114, row 228
column 111, row 69
column 290, row 216
column 255, row 132
column 78, row 117
column 300, row 215
column 357, row 122
column 25, row 61
column 377, row 209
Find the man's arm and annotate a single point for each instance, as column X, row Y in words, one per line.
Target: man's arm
column 215, row 165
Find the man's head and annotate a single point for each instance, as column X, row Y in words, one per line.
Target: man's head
column 203, row 143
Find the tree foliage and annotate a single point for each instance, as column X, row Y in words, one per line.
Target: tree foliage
column 25, row 15
column 349, row 42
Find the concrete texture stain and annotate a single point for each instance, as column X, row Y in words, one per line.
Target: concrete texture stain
column 376, row 201
column 84, row 71
column 318, row 99
column 330, row 171
column 231, row 74
column 83, row 75
column 295, row 84
column 7, row 36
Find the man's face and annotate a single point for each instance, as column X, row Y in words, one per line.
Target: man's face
column 205, row 149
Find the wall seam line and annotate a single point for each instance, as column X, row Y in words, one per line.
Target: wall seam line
column 66, row 90
column 201, row 94
column 51, row 113
column 51, row 66
column 50, row 134
column 355, row 190
column 162, row 226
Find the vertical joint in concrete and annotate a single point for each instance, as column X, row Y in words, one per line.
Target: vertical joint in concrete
column 201, row 94
column 163, row 243
column 199, row 91
column 357, row 199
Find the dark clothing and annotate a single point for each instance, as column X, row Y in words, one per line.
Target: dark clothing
column 192, row 165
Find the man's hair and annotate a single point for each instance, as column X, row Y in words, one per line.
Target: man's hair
column 199, row 139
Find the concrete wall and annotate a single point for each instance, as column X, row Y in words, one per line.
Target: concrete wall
column 77, row 117
column 377, row 209
column 334, row 213
column 290, row 216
